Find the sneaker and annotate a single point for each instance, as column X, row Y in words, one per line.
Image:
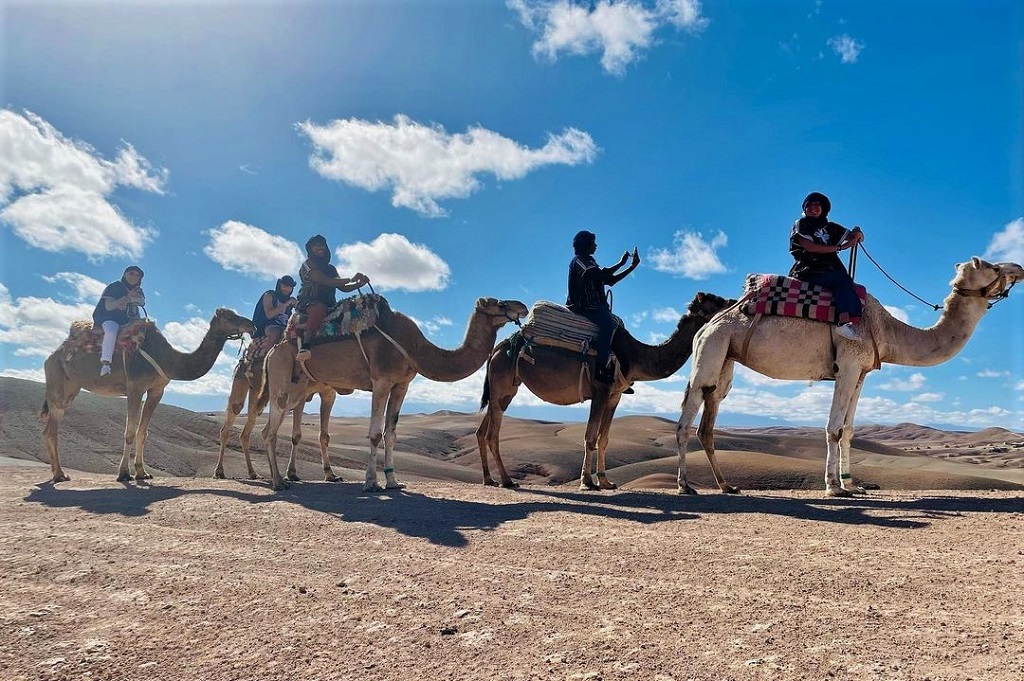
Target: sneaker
column 628, row 391
column 848, row 331
column 104, row 368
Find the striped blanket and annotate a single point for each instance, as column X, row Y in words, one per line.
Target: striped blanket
column 85, row 337
column 555, row 325
column 348, row 317
column 774, row 294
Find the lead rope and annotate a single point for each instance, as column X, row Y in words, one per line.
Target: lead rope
column 903, row 288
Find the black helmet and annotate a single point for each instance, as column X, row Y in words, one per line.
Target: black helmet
column 286, row 280
column 318, row 239
column 583, row 238
column 826, row 205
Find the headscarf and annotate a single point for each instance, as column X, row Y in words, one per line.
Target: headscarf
column 826, row 205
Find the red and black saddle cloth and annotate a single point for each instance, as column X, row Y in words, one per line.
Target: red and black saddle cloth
column 557, row 326
column 775, row 294
column 85, row 337
column 347, row 318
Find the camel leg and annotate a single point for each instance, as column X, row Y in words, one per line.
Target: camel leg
column 153, row 398
column 236, row 400
column 59, row 396
column 598, row 401
column 394, row 408
column 280, row 394
column 845, row 477
column 378, row 402
column 327, row 398
column 684, row 430
column 706, row 431
column 845, row 389
column 132, row 411
column 488, row 435
column 273, row 425
column 293, row 473
column 603, row 435
column 482, row 437
column 246, row 435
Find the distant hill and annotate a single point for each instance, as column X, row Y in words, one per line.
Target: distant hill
column 442, row 446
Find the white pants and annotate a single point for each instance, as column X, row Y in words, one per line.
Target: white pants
column 109, row 340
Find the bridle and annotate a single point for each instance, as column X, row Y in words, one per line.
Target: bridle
column 994, row 292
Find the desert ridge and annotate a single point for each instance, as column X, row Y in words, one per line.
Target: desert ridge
column 442, row 446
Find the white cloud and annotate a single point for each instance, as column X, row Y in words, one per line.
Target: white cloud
column 213, row 383
column 1008, row 245
column 620, row 31
column 186, row 337
column 1019, row 386
column 27, row 374
column 85, row 288
column 37, row 326
column 666, row 314
column 752, row 377
column 912, row 384
column 54, row 192
column 992, row 373
column 393, row 262
column 928, row 397
column 420, row 164
column 846, row 47
column 432, row 326
column 249, row 250
column 692, row 257
column 898, row 313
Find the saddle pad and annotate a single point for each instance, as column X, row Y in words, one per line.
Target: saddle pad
column 348, row 317
column 85, row 337
column 775, row 294
column 553, row 324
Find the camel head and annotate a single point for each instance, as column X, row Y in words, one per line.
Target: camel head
column 707, row 305
column 501, row 312
column 985, row 279
column 227, row 324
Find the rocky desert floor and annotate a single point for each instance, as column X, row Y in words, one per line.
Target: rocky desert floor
column 194, row 578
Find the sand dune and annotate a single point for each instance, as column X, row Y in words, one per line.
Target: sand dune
column 442, row 446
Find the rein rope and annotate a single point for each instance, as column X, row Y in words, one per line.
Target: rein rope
column 980, row 293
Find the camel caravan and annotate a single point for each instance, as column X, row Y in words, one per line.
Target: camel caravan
column 564, row 354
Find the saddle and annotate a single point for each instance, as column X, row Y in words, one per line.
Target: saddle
column 774, row 294
column 347, row 318
column 557, row 326
column 84, row 337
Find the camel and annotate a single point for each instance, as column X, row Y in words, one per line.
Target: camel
column 554, row 375
column 801, row 349
column 247, row 386
column 139, row 376
column 383, row 365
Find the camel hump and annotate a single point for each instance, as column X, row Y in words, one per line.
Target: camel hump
column 84, row 336
column 775, row 294
column 559, row 325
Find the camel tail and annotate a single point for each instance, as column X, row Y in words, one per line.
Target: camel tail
column 486, row 396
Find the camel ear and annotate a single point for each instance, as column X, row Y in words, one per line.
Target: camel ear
column 700, row 296
column 976, row 261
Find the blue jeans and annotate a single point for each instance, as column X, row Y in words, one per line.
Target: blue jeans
column 605, row 328
column 843, row 295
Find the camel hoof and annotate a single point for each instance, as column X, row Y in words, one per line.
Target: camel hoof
column 294, row 477
column 687, row 490
column 253, row 475
column 372, row 488
column 139, row 477
column 838, row 492
column 857, row 490
column 218, row 474
column 489, row 482
column 509, row 484
column 605, row 484
column 280, row 485
column 396, row 485
column 60, row 478
column 124, row 477
column 331, row 477
column 588, row 485
column 729, row 489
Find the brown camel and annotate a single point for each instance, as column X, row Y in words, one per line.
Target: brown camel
column 385, row 368
column 247, row 386
column 554, row 375
column 64, row 378
column 801, row 349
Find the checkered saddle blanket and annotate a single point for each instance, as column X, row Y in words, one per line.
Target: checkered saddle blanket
column 348, row 317
column 774, row 294
column 85, row 337
column 555, row 325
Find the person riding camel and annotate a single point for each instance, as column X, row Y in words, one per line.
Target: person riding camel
column 119, row 304
column 320, row 280
column 587, row 296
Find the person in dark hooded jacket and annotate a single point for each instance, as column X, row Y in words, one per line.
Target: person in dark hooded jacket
column 587, row 295
column 119, row 304
column 320, row 281
column 814, row 243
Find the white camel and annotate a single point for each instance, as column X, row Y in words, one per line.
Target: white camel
column 801, row 349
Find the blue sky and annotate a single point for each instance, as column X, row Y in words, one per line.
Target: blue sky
column 451, row 149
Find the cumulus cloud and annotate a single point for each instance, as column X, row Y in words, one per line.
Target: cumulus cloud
column 1008, row 245
column 84, row 288
column 666, row 314
column 37, row 326
column 55, row 192
column 691, row 256
column 433, row 325
column 239, row 247
column 420, row 164
column 621, row 31
column 393, row 262
column 912, row 384
column 898, row 312
column 846, row 47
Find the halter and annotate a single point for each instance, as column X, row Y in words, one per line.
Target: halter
column 994, row 292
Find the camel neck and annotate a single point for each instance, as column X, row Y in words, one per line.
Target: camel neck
column 907, row 345
column 653, row 362
column 441, row 364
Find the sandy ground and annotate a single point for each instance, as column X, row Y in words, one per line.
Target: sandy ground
column 192, row 578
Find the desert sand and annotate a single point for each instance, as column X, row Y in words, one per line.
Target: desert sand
column 186, row 577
